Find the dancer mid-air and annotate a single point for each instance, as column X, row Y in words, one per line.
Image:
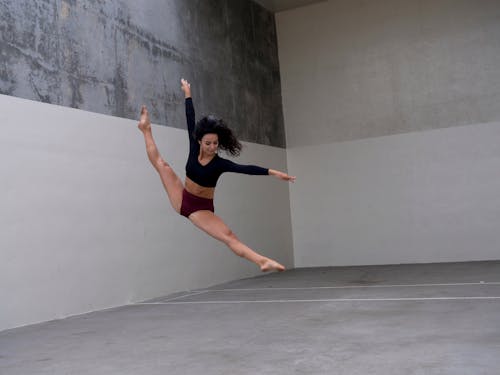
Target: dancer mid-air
column 194, row 200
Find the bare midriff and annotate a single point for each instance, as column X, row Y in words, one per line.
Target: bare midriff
column 198, row 190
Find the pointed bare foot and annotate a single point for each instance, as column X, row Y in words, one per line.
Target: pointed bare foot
column 144, row 123
column 271, row 265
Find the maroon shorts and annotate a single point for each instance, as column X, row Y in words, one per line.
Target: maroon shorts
column 192, row 203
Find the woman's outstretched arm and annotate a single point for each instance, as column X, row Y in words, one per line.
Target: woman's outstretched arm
column 230, row 166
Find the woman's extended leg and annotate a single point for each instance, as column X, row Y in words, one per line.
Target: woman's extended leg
column 171, row 182
column 214, row 226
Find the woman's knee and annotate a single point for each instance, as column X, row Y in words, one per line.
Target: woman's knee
column 229, row 235
column 165, row 170
column 162, row 164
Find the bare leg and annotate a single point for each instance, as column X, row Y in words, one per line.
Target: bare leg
column 171, row 182
column 214, row 226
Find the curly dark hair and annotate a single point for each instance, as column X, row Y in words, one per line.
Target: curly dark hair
column 213, row 125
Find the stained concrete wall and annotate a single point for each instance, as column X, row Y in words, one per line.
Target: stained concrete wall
column 392, row 119
column 110, row 57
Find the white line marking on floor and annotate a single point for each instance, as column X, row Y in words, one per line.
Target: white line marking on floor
column 323, row 300
column 357, row 286
column 183, row 296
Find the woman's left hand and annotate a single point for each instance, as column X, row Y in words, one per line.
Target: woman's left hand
column 282, row 176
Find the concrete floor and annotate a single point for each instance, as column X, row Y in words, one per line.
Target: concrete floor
column 403, row 319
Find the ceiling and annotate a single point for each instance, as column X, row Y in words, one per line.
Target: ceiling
column 281, row 5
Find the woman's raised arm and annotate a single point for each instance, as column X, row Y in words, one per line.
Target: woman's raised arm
column 190, row 116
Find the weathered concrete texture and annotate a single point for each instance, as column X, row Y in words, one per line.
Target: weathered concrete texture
column 111, row 57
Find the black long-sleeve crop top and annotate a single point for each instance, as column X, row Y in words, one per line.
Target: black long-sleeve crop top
column 207, row 175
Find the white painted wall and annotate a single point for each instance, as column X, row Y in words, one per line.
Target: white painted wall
column 393, row 125
column 86, row 225
column 410, row 198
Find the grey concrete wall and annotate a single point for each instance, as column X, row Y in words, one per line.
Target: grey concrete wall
column 85, row 221
column 110, row 57
column 353, row 70
column 392, row 119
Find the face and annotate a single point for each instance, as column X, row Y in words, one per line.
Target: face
column 209, row 144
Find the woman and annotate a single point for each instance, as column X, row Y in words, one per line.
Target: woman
column 194, row 200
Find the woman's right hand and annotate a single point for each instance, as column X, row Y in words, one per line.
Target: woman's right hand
column 186, row 87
